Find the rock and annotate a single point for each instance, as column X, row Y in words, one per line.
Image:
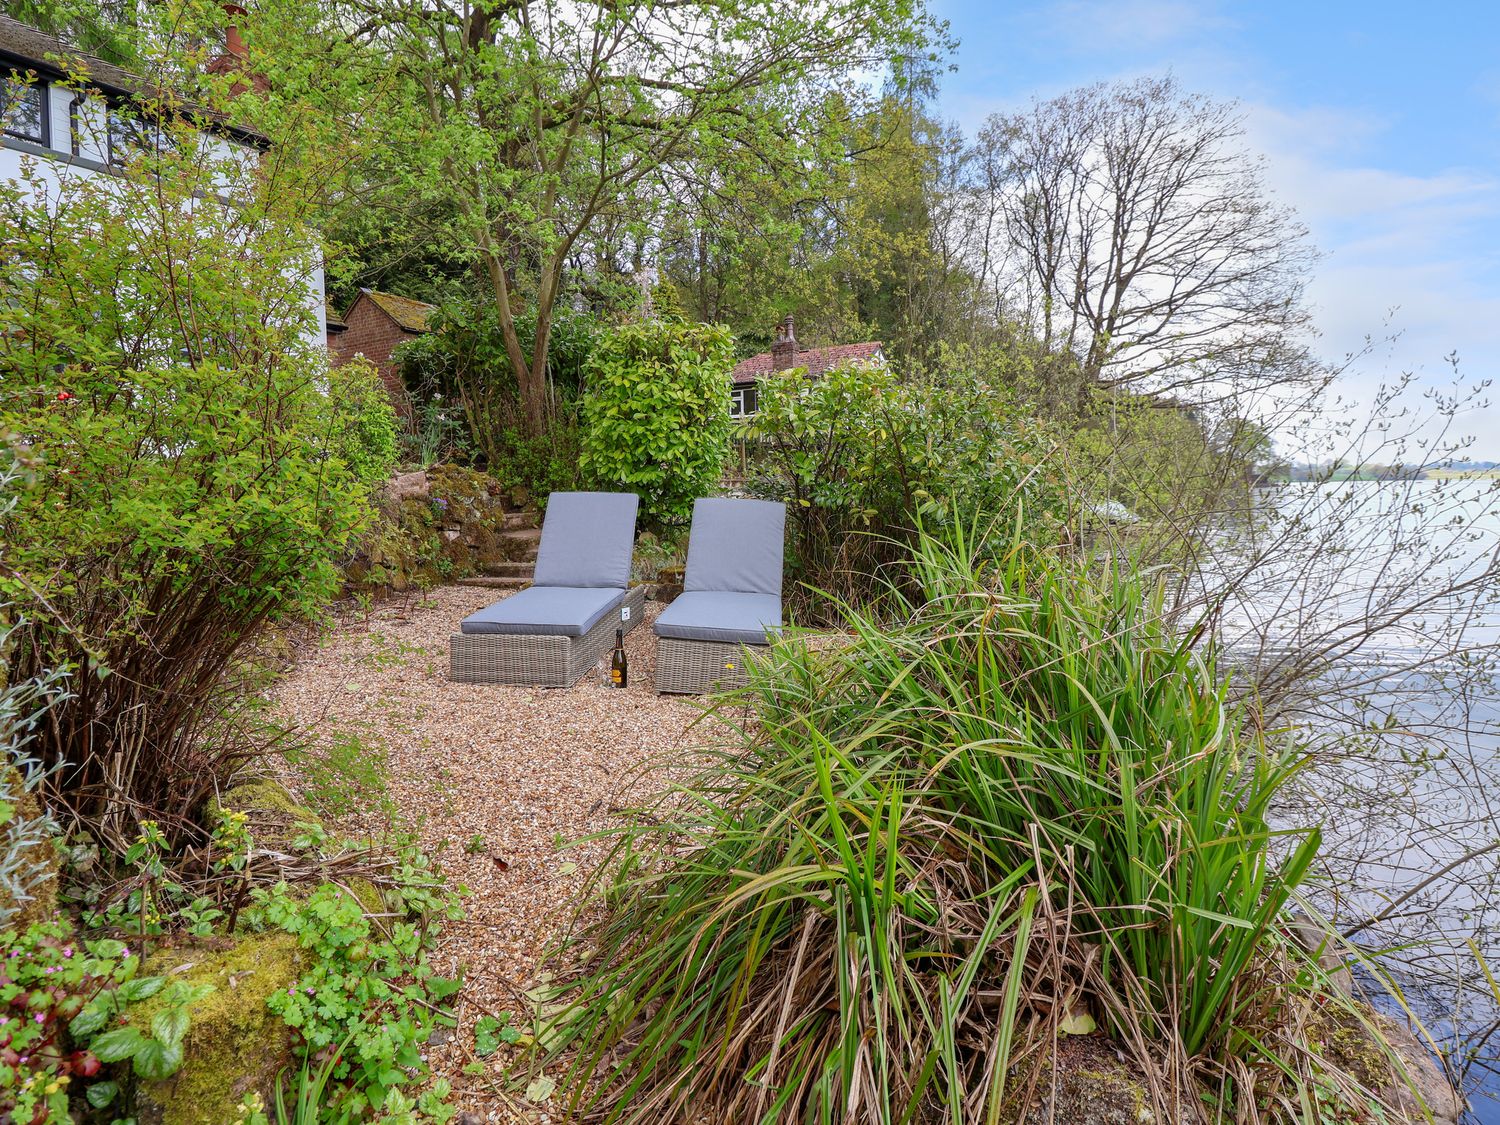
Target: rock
column 446, row 526
column 234, row 1043
column 1362, row 1041
column 664, row 592
column 1317, row 940
column 1093, row 1086
column 406, row 486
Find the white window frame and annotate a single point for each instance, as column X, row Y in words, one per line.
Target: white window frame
column 744, row 400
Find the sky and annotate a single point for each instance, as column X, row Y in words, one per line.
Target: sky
column 1379, row 123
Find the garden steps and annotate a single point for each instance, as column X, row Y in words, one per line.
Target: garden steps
column 522, row 519
column 522, row 568
column 523, row 537
column 496, row 582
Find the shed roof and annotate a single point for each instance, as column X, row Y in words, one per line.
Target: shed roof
column 409, row 315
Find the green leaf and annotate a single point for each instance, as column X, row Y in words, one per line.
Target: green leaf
column 88, row 1021
column 117, row 1045
column 141, row 988
column 100, row 1094
column 155, row 1060
column 170, row 1024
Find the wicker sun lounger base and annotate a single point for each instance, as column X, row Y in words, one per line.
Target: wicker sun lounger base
column 544, row 661
column 690, row 667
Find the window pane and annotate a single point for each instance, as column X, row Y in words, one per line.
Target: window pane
column 130, row 136
column 25, row 109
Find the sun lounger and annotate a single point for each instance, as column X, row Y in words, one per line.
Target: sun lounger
column 555, row 630
column 730, row 607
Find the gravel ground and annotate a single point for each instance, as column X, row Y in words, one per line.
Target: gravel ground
column 494, row 780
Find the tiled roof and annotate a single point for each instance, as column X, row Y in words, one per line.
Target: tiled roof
column 816, row 360
column 24, row 47
column 410, row 315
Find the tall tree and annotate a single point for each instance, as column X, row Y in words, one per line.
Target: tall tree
column 1133, row 228
column 545, row 121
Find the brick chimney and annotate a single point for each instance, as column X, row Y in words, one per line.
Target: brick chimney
column 234, row 59
column 784, row 346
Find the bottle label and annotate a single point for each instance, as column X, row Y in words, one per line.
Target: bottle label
column 614, row 675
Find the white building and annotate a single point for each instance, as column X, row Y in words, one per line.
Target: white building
column 43, row 114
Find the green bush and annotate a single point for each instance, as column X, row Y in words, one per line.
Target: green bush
column 863, row 458
column 1027, row 808
column 462, row 360
column 656, row 415
column 368, row 439
column 194, row 476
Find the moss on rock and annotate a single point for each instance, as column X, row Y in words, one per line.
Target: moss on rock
column 234, row 1044
column 264, row 795
column 433, row 527
column 41, row 858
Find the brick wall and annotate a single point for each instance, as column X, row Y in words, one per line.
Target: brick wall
column 374, row 335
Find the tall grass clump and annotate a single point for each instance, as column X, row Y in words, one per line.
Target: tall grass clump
column 1024, row 807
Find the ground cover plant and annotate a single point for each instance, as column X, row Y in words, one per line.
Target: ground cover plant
column 1024, row 809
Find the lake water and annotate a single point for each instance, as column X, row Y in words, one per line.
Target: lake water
column 1373, row 610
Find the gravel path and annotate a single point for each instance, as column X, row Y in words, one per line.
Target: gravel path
column 493, row 779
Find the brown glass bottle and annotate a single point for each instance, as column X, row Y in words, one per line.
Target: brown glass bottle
column 619, row 667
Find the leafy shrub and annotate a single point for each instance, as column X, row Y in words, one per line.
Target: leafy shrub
column 656, row 415
column 863, row 459
column 368, row 439
column 541, row 465
column 27, row 831
column 942, row 843
column 194, row 479
column 370, row 1000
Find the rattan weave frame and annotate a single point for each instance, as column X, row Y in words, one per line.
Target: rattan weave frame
column 687, row 667
column 538, row 660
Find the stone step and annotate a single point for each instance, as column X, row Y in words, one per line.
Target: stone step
column 522, row 537
column 522, row 570
column 515, row 521
column 492, row 582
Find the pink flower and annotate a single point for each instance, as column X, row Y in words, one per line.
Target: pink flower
column 39, row 1018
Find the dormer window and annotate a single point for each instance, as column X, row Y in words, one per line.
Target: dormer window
column 23, row 109
column 130, row 136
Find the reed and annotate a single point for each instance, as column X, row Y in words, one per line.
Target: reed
column 943, row 842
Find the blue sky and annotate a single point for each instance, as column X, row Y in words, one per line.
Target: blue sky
column 1379, row 122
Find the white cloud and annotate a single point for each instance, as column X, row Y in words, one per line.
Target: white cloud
column 1130, row 25
column 1416, row 249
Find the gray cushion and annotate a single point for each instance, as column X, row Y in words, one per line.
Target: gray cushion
column 716, row 616
column 736, row 545
column 587, row 539
column 545, row 610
